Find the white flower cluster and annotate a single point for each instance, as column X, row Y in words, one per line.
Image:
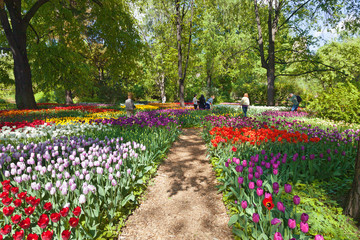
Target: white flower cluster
column 26, row 134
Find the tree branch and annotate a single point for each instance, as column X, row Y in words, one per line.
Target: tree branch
column 37, row 35
column 304, row 73
column 293, row 13
column 33, row 10
column 260, row 39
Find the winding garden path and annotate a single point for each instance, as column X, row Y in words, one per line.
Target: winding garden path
column 182, row 201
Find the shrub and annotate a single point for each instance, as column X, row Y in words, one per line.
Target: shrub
column 340, row 103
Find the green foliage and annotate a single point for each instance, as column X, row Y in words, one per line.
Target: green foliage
column 339, row 103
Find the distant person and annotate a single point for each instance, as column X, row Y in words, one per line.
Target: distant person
column 295, row 102
column 195, row 101
column 202, row 102
column 209, row 102
column 129, row 105
column 245, row 103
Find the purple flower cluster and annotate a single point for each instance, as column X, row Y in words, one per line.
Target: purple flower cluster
column 142, row 119
column 283, row 114
column 67, row 164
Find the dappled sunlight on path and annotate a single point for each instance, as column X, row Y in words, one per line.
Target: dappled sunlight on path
column 182, row 201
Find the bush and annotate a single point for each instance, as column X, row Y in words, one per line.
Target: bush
column 340, row 103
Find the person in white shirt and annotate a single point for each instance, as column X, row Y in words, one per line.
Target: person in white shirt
column 129, row 105
column 245, row 102
column 195, row 101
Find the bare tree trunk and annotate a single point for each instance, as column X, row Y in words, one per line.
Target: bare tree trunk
column 270, row 71
column 68, row 97
column 352, row 207
column 161, row 84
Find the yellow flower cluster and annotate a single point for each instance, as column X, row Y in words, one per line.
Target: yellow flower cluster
column 144, row 107
column 87, row 118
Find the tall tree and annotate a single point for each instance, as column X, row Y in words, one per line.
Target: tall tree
column 17, row 39
column 181, row 9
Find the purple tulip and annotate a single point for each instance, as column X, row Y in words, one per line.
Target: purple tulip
column 250, row 176
column 304, row 227
column 244, row 204
column 292, row 223
column 240, row 180
column 255, row 217
column 275, row 221
column 244, row 163
column 296, row 200
column 281, row 207
column 312, row 156
column 277, row 236
column 276, row 186
column 319, row 237
column 259, row 191
column 287, row 188
column 304, row 217
column 259, row 182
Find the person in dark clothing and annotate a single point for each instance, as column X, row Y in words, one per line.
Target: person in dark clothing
column 202, row 102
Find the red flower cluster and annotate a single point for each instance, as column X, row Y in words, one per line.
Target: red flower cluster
column 23, row 124
column 255, row 136
column 15, row 213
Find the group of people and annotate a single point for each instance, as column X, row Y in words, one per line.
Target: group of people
column 202, row 103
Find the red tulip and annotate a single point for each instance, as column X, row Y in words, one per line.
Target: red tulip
column 73, row 222
column 47, row 235
column 55, row 217
column 14, row 190
column 30, row 200
column 4, row 195
column 5, row 183
column 65, row 234
column 16, row 219
column 43, row 221
column 32, row 236
column 77, row 211
column 7, row 188
column 6, row 201
column 64, row 212
column 268, row 203
column 25, row 224
column 5, row 230
column 29, row 210
column 22, row 195
column 36, row 202
column 18, row 235
column 8, row 210
column 48, row 206
column 1, row 237
column 17, row 202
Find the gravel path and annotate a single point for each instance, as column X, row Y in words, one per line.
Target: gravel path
column 182, row 201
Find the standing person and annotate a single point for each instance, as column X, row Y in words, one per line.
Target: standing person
column 295, row 102
column 245, row 102
column 209, row 102
column 202, row 102
column 129, row 105
column 195, row 102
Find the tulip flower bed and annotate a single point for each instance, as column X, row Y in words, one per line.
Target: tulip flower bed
column 271, row 170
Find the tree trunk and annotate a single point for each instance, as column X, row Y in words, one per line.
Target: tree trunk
column 180, row 57
column 68, row 97
column 24, row 94
column 352, row 207
column 161, row 84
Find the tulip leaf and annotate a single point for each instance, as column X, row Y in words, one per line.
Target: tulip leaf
column 233, row 219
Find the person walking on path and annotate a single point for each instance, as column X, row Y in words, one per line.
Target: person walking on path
column 195, row 102
column 245, row 103
column 295, row 102
column 209, row 102
column 129, row 105
column 202, row 102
